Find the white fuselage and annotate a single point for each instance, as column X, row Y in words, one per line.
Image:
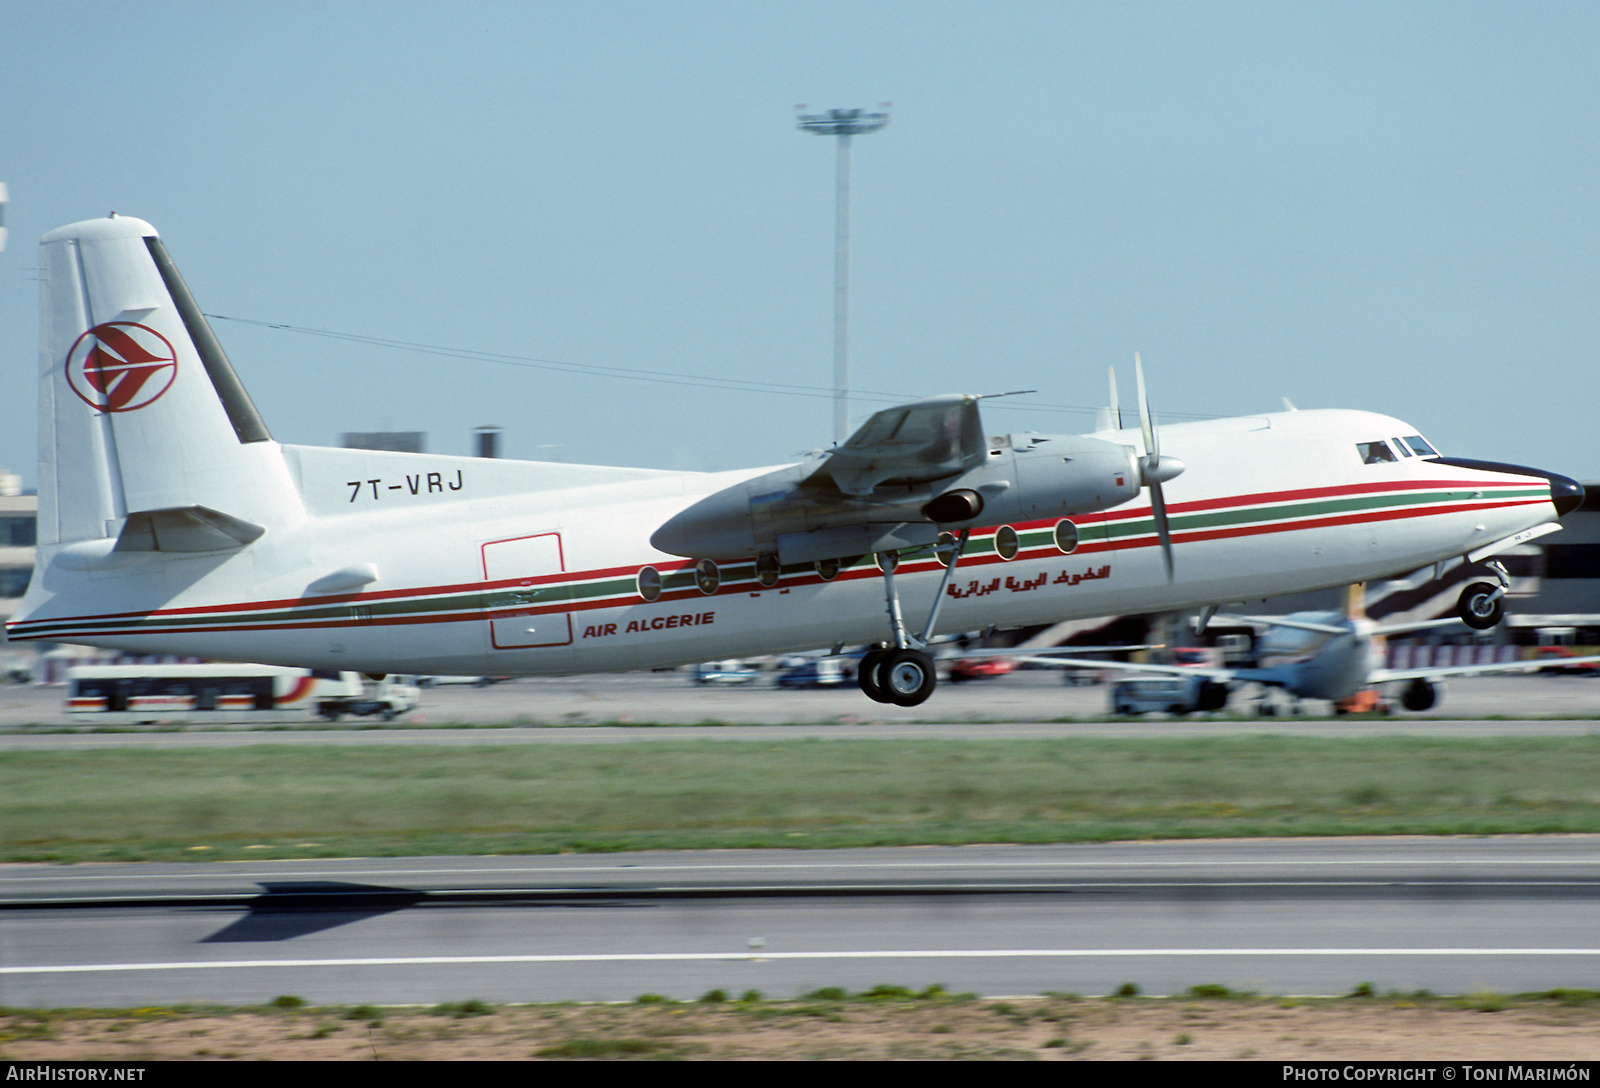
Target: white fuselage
column 391, row 562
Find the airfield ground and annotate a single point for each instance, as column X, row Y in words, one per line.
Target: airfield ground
column 1480, row 1027
column 672, row 699
column 1477, row 1028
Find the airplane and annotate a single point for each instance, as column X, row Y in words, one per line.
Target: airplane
column 170, row 521
column 1330, row 655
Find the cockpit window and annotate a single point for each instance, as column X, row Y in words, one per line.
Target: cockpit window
column 1420, row 447
column 1400, row 447
column 1374, row 453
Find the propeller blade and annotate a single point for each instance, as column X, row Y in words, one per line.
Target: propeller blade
column 1158, row 507
column 1152, row 469
column 1145, row 427
column 1116, row 408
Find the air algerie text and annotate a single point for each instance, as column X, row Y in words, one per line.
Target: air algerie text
column 658, row 623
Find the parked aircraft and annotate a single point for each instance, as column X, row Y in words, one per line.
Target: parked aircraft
column 1326, row 655
column 170, row 521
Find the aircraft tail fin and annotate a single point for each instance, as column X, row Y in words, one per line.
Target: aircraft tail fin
column 146, row 436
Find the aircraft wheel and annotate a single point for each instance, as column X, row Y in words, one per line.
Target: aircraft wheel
column 867, row 675
column 1213, row 696
column 1419, row 695
column 1478, row 607
column 907, row 677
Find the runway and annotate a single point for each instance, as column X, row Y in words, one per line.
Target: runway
column 1291, row 917
column 1280, row 916
column 635, row 707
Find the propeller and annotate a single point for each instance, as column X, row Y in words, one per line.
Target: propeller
column 1154, row 470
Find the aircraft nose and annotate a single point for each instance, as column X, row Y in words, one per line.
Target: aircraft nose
column 1566, row 493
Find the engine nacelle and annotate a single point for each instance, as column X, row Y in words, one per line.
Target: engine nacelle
column 797, row 513
column 962, row 504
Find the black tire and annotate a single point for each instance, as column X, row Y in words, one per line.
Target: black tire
column 1419, row 695
column 1213, row 696
column 907, row 677
column 867, row 675
column 1478, row 608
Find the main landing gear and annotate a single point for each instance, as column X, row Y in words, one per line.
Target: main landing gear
column 903, row 674
column 903, row 677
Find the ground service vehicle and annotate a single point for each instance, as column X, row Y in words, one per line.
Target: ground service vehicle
column 389, row 698
column 1171, row 694
column 220, row 693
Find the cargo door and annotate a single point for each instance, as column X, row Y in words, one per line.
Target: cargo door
column 527, row 595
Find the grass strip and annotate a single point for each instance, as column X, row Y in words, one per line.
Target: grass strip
column 337, row 801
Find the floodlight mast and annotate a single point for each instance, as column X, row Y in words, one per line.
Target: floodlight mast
column 843, row 124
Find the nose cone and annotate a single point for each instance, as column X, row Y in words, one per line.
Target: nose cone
column 1566, row 494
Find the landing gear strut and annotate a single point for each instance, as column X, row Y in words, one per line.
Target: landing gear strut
column 904, row 674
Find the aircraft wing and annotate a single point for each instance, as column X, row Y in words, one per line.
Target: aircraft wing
column 1439, row 672
column 1045, row 655
column 912, row 444
column 1224, row 620
column 1222, row 675
column 907, row 475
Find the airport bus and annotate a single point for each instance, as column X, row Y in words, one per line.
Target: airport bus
column 144, row 694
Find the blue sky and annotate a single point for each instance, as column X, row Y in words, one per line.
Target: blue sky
column 1364, row 205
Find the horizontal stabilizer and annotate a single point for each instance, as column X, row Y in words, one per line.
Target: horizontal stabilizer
column 185, row 529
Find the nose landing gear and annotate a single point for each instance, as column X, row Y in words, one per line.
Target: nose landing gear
column 1482, row 604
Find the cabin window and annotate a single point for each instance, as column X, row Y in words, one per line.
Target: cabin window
column 707, row 576
column 1006, row 542
column 827, row 569
column 1066, row 536
column 767, row 569
column 1374, row 453
column 945, row 550
column 649, row 583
